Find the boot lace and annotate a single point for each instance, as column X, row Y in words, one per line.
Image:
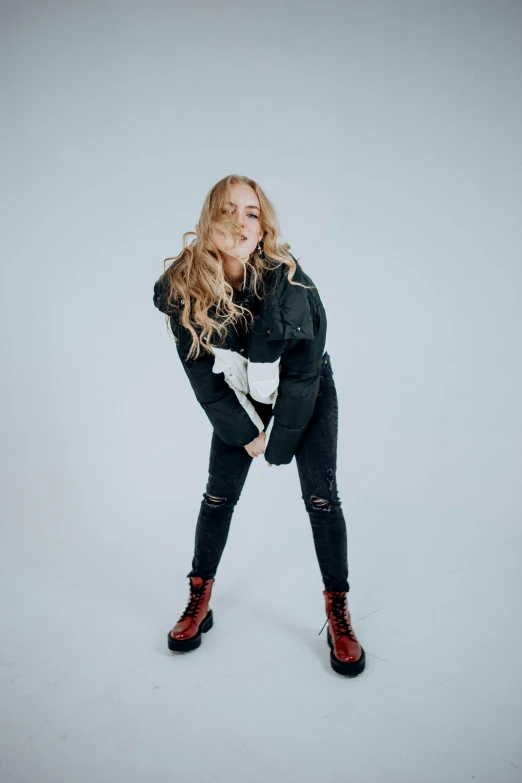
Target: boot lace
column 196, row 595
column 340, row 620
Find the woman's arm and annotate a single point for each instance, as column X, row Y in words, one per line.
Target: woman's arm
column 299, row 381
column 226, row 414
column 228, row 417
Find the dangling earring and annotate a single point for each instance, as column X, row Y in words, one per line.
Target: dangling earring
column 259, row 249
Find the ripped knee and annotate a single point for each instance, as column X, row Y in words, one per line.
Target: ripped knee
column 320, row 503
column 212, row 500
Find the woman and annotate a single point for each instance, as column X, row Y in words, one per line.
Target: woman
column 250, row 330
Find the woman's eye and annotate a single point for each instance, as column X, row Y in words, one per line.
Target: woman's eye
column 232, row 211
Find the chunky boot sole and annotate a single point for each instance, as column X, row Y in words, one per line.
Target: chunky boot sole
column 183, row 645
column 347, row 668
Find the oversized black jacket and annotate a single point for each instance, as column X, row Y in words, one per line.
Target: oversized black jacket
column 289, row 325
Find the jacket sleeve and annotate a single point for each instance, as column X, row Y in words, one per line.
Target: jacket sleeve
column 299, row 381
column 227, row 416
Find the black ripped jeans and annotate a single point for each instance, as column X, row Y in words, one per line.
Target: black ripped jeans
column 316, row 459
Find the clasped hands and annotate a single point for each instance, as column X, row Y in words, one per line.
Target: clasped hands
column 257, row 446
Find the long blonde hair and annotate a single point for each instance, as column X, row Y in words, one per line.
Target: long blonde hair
column 196, row 275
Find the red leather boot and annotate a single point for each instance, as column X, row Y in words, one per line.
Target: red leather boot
column 346, row 654
column 197, row 617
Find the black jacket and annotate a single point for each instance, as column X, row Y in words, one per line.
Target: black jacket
column 289, row 326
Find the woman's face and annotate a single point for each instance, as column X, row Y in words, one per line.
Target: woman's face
column 246, row 212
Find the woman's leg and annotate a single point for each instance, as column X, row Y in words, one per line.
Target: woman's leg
column 316, row 459
column 227, row 472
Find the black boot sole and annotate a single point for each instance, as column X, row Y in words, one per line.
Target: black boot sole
column 184, row 645
column 346, row 668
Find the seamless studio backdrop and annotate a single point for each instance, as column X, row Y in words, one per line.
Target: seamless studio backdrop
column 387, row 134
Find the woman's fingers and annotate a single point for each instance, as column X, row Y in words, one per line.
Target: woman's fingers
column 257, row 454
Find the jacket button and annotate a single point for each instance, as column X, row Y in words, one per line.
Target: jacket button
column 241, row 350
column 268, row 331
column 299, row 328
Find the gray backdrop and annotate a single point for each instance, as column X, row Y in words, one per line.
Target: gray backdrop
column 387, row 134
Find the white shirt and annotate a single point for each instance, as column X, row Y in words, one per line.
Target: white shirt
column 259, row 379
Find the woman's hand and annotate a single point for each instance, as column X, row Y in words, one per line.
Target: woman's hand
column 257, row 446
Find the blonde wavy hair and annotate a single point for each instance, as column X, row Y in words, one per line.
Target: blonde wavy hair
column 196, row 275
